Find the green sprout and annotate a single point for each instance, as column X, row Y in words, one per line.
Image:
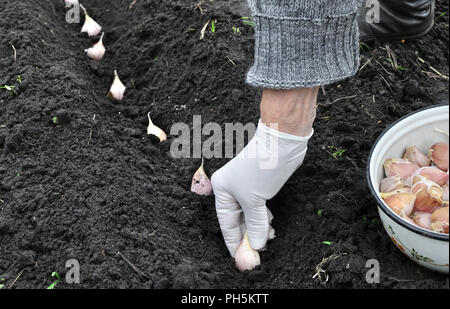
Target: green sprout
column 319, row 212
column 213, row 26
column 11, row 89
column 2, row 283
column 337, row 152
column 53, row 285
column 55, row 120
column 328, row 243
column 247, row 20
column 441, row 15
column 19, row 79
column 363, row 46
column 236, row 30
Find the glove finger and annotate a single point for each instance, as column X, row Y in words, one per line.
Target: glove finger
column 256, row 218
column 229, row 214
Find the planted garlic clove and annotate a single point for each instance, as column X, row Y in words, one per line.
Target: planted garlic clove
column 402, row 203
column 245, row 257
column 416, row 156
column 439, row 220
column 200, row 182
column 154, row 130
column 428, row 195
column 432, row 173
column 117, row 89
column 390, row 184
column 90, row 26
column 97, row 51
column 71, row 2
column 423, row 219
column 439, row 155
column 399, row 167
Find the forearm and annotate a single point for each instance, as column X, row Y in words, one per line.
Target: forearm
column 303, row 43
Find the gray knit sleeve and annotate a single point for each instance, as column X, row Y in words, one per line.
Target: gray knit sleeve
column 303, row 43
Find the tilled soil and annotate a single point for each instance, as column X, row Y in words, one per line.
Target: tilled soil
column 90, row 183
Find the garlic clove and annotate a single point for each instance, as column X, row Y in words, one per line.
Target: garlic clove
column 398, row 191
column 90, row 26
column 200, row 182
column 439, row 155
column 445, row 193
column 423, row 219
column 245, row 257
column 408, row 219
column 402, row 203
column 415, row 156
column 71, row 2
column 97, row 51
column 117, row 89
column 439, row 220
column 154, row 130
column 392, row 183
column 428, row 194
column 399, row 167
column 432, row 173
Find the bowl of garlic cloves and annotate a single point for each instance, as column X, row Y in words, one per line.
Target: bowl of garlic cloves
column 408, row 175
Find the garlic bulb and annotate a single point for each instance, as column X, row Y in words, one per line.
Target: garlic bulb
column 416, row 156
column 90, row 26
column 154, row 130
column 117, row 89
column 246, row 258
column 200, row 182
column 439, row 155
column 399, row 167
column 97, row 51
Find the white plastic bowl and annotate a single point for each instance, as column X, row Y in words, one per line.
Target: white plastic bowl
column 427, row 248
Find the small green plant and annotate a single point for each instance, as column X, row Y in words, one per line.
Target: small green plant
column 11, row 89
column 19, row 79
column 53, row 285
column 213, row 26
column 236, row 30
column 2, row 283
column 441, row 15
column 336, row 152
column 363, row 46
column 328, row 243
column 247, row 20
column 55, row 120
column 320, row 212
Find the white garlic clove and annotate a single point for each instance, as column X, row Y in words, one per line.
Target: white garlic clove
column 399, row 167
column 154, row 130
column 416, row 156
column 428, row 194
column 117, row 89
column 439, row 155
column 90, row 26
column 392, row 183
column 200, row 182
column 97, row 51
column 246, row 258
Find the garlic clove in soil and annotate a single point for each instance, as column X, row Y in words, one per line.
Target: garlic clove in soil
column 390, row 184
column 402, row 203
column 432, row 173
column 90, row 26
column 439, row 220
column 439, row 155
column 154, row 130
column 399, row 167
column 117, row 89
column 428, row 194
column 423, row 219
column 200, row 182
column 97, row 51
column 71, row 2
column 416, row 156
column 245, row 257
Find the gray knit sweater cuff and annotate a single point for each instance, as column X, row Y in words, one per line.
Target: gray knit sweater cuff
column 303, row 43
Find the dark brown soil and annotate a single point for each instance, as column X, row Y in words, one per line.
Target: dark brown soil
column 88, row 188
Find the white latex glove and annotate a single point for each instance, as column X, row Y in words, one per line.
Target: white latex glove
column 254, row 176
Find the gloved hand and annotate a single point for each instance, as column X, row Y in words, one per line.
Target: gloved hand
column 254, row 176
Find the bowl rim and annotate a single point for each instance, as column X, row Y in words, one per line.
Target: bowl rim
column 381, row 204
